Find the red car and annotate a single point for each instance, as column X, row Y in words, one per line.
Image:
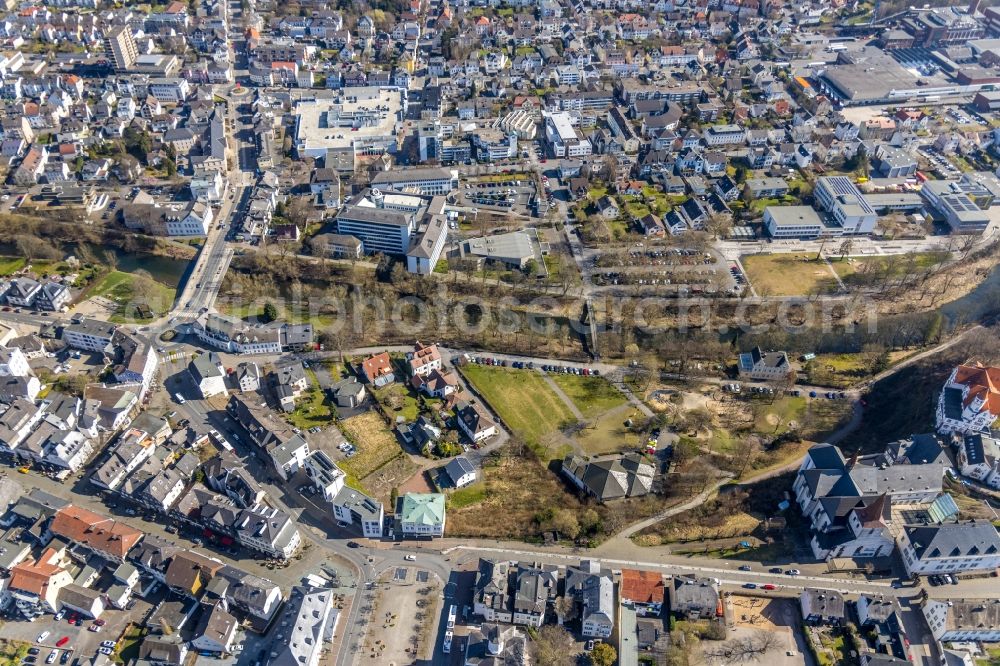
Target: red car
column 768, row 586
column 100, row 623
column 62, row 641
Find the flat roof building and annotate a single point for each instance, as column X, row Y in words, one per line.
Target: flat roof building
column 792, row 222
column 361, row 120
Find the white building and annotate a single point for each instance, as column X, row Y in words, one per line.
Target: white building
column 979, row 458
column 844, row 201
column 90, row 335
column 565, row 139
column 308, row 624
column 425, row 181
column 950, row 547
column 422, row 515
column 268, row 531
column 326, row 477
column 208, row 186
column 963, row 619
column 970, row 399
column 460, row 471
column 13, row 363
column 792, row 222
column 170, row 90
column 723, row 135
column 208, row 374
column 764, row 366
column 193, row 221
column 355, row 508
column 427, row 245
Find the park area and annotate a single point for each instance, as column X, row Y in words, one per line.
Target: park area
column 789, row 274
column 530, row 404
column 135, row 296
column 525, row 403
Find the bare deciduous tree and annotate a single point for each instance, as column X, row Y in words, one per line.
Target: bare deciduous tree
column 743, row 650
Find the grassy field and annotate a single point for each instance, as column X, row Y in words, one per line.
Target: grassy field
column 608, row 433
column 398, row 399
column 376, row 445
column 120, row 288
column 781, row 415
column 788, row 274
column 468, row 496
column 892, row 266
column 593, row 396
column 10, row 265
column 529, row 407
column 313, row 408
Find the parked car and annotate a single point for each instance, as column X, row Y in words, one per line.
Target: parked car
column 51, row 659
column 42, row 636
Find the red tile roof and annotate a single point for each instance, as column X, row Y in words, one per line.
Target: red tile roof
column 95, row 531
column 34, row 577
column 376, row 366
column 643, row 587
column 983, row 383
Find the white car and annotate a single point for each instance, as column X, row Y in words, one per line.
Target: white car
column 105, row 650
column 107, row 644
column 410, row 558
column 60, row 615
column 42, row 636
column 51, row 659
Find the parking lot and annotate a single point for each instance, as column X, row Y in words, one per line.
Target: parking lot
column 513, row 194
column 530, row 365
column 72, row 641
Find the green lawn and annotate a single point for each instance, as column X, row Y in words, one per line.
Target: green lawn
column 312, row 408
column 636, row 208
column 852, row 269
column 608, row 434
column 836, row 370
column 128, row 646
column 529, row 407
column 10, row 265
column 121, row 288
column 592, row 395
column 788, row 274
column 293, row 315
column 463, row 497
column 398, row 399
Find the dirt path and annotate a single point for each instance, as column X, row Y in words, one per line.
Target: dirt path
column 577, row 414
column 697, row 500
column 922, row 355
